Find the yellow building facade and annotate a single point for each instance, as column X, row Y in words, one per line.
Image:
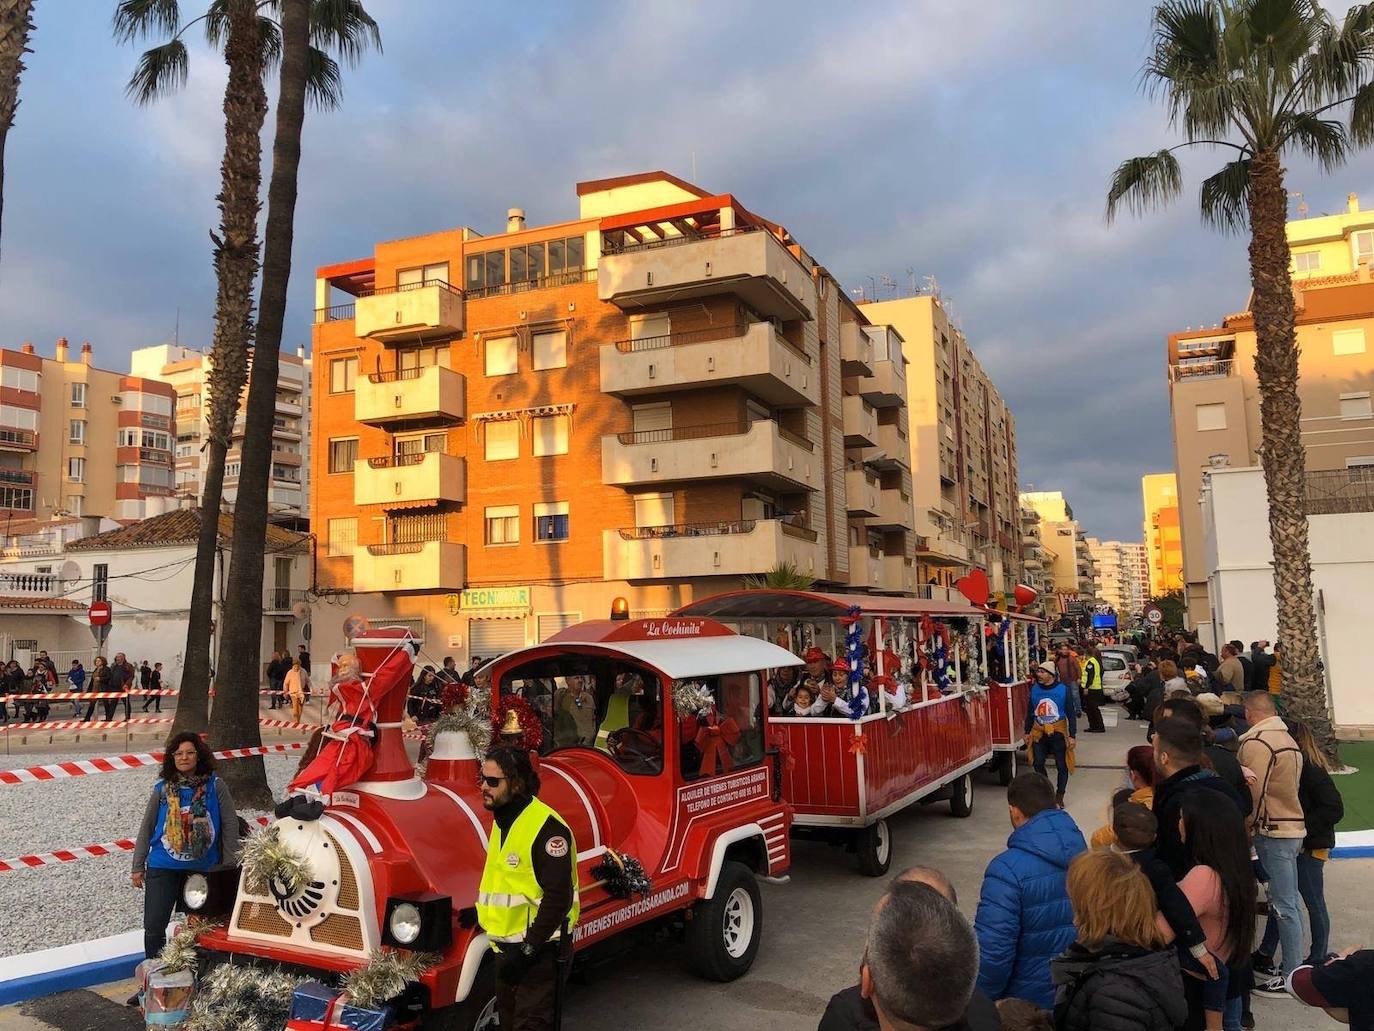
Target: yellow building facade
column 1163, row 537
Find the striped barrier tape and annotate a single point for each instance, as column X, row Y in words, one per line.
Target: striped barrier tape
column 120, row 763
column 137, row 721
column 73, row 696
column 287, row 724
column 71, row 855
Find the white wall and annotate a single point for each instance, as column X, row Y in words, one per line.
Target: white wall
column 1240, row 580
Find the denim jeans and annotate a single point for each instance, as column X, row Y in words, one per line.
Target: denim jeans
column 1230, row 1017
column 1312, row 888
column 1055, row 745
column 161, row 893
column 1280, row 858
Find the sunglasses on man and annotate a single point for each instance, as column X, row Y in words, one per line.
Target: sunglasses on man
column 490, row 782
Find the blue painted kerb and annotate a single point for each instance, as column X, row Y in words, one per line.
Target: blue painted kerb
column 68, row 978
column 1353, row 852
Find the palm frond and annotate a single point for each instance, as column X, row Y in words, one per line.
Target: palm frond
column 1340, row 59
column 1188, row 67
column 1362, row 116
column 344, row 27
column 137, row 19
column 217, row 23
column 1321, row 139
column 161, row 71
column 323, row 80
column 1142, row 183
column 1283, row 31
column 1225, row 197
column 269, row 40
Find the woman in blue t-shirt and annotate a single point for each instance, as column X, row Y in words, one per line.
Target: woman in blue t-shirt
column 189, row 824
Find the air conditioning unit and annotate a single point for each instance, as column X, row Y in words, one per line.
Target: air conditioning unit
column 117, row 399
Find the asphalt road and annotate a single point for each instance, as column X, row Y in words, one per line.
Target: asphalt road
column 813, row 928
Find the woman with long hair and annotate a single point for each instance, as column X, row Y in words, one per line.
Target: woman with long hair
column 1119, row 975
column 1322, row 809
column 1140, row 770
column 1221, row 889
column 189, row 825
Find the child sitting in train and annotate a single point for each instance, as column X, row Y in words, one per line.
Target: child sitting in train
column 803, row 701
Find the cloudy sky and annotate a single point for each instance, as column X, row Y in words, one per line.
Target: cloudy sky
column 968, row 141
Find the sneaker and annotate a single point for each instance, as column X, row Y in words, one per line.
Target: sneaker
column 134, row 1000
column 1263, row 965
column 1273, row 987
column 1247, row 1021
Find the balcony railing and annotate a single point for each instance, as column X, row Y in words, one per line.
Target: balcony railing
column 335, row 313
column 280, row 599
column 396, row 375
column 555, row 279
column 694, row 336
column 610, row 246
column 716, row 529
column 401, row 288
column 1200, row 368
column 701, row 432
column 397, row 461
column 157, row 422
column 154, row 456
column 1335, row 491
column 12, row 435
column 23, row 477
column 407, row 548
column 43, row 585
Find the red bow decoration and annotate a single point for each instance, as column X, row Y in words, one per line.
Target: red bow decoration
column 454, row 694
column 714, row 739
column 779, row 743
column 858, row 744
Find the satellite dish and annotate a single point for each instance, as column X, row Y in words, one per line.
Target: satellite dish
column 301, row 610
column 69, row 571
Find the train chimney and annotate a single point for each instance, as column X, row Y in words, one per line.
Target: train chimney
column 453, row 759
column 61, row 351
column 515, row 220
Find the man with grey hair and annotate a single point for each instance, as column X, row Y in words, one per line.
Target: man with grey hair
column 919, row 967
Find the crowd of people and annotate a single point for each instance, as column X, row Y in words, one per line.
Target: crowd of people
column 104, row 676
column 425, row 700
column 822, row 688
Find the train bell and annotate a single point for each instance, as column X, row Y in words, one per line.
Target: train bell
column 512, row 728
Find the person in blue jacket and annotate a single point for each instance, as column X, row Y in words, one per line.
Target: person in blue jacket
column 1052, row 725
column 1024, row 918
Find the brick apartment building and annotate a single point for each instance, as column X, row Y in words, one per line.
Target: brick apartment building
column 80, row 441
column 655, row 400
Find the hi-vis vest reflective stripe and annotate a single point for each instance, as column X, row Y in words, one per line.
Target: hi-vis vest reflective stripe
column 508, row 897
column 1092, row 674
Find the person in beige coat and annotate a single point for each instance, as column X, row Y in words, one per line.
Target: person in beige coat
column 1276, row 822
column 297, row 685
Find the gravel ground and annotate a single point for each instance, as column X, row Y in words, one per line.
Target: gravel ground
column 90, row 898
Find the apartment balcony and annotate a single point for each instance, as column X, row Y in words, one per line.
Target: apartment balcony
column 898, row 575
column 856, row 350
column 861, row 492
column 753, row 356
column 886, row 386
column 421, row 566
column 14, row 439
column 1032, row 562
column 740, row 548
column 406, row 314
column 761, row 452
column 943, row 551
column 409, row 398
column 860, row 422
column 17, row 477
column 747, row 262
column 32, row 585
column 865, row 567
column 281, row 599
column 407, row 481
column 290, row 408
column 894, row 447
column 896, row 512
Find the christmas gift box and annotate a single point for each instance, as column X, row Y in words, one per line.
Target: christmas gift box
column 317, row 1007
column 166, row 996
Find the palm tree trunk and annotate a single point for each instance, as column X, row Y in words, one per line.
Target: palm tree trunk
column 234, row 723
column 236, row 266
column 1283, row 457
column 16, row 22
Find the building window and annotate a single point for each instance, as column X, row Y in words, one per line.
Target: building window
column 76, row 470
column 502, row 440
column 1363, row 244
column 19, row 379
column 1307, row 261
column 503, row 525
column 501, row 359
column 289, row 473
column 16, row 498
column 231, row 470
column 654, row 510
column 550, row 435
column 1347, row 341
column 100, row 582
column 422, row 357
column 421, row 444
column 76, row 431
column 565, row 255
column 12, row 416
column 342, row 537
column 1355, row 406
column 343, row 452
column 1211, row 417
column 418, row 276
column 343, row 373
column 1360, row 469
column 551, row 520
column 550, row 350
column 78, row 395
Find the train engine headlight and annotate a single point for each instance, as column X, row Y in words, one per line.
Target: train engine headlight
column 420, row 922
column 211, row 893
column 196, row 892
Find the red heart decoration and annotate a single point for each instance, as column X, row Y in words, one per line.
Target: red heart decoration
column 974, row 587
column 1025, row 595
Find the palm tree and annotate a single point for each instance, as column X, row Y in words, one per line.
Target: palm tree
column 1263, row 78
column 785, row 576
column 247, row 42
column 345, row 27
column 16, row 22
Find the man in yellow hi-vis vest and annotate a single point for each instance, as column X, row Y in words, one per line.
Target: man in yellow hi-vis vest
column 527, row 902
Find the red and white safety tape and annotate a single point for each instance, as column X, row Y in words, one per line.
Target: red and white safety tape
column 71, row 855
column 137, row 721
column 287, row 724
column 120, row 763
column 72, row 696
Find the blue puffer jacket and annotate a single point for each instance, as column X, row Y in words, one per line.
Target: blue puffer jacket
column 1024, row 918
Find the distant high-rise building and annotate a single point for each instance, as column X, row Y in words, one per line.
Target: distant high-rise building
column 80, row 441
column 1123, row 574
column 187, row 371
column 1072, row 571
column 1163, row 536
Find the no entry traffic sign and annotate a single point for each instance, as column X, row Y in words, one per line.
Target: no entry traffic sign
column 100, row 613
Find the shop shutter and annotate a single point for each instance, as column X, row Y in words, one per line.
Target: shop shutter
column 492, row 637
column 554, row 622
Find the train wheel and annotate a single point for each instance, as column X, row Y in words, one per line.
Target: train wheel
column 1006, row 767
column 723, row 934
column 475, row 1013
column 961, row 796
column 874, row 846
